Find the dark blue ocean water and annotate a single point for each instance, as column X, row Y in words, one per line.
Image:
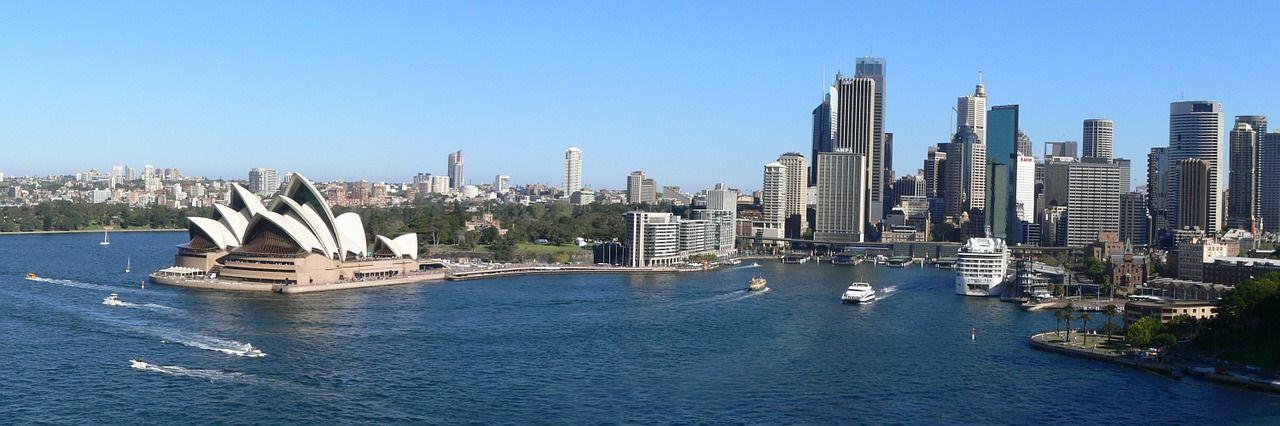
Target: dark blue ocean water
column 555, row 349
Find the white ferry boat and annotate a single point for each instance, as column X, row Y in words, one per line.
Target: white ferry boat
column 859, row 293
column 982, row 267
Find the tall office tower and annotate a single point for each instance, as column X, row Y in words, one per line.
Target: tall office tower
column 1134, row 226
column 1060, row 149
column 797, row 203
column 1024, row 144
column 1269, row 182
column 1157, row 190
column 842, row 187
column 881, row 161
column 635, row 187
column 1002, row 155
column 853, row 127
column 821, row 135
column 263, row 181
column 971, row 111
column 1024, row 172
column 933, row 170
column 1098, row 138
column 455, row 170
column 649, row 191
column 965, row 181
column 572, row 170
column 774, row 196
column 1195, row 131
column 1259, row 125
column 1194, row 199
column 1125, row 166
column 906, row 186
column 1092, row 198
column 501, row 183
column 1242, row 205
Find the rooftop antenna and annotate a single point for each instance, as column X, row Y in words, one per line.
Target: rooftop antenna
column 979, row 76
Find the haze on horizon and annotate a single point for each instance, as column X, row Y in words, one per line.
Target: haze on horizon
column 691, row 93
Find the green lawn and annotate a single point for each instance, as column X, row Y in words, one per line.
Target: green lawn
column 532, row 248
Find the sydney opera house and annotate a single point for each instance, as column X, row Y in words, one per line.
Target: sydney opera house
column 291, row 242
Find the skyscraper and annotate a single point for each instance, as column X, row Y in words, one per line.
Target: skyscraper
column 821, row 135
column 1195, row 131
column 797, row 202
column 1024, row 144
column 1157, row 181
column 971, row 111
column 501, row 183
column 455, row 170
column 1092, row 200
column 572, row 170
column 1242, row 182
column 1002, row 150
column 1269, row 182
column 853, row 127
column 263, row 181
column 1134, row 226
column 933, row 171
column 1098, row 138
column 1125, row 166
column 965, row 181
column 841, row 213
column 635, row 187
column 1194, row 200
column 1259, row 125
column 881, row 153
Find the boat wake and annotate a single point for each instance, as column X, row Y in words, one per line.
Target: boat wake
column 753, row 265
column 173, row 370
column 149, row 306
column 886, row 292
column 82, row 285
column 209, row 343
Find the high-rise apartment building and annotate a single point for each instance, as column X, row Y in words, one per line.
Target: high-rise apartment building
column 841, row 213
column 1259, row 125
column 572, row 170
column 1194, row 197
column 1242, row 206
column 455, row 170
column 1098, row 138
column 1195, row 131
column 797, row 191
column 263, row 181
column 501, row 183
column 773, row 200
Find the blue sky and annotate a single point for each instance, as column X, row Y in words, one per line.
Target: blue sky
column 691, row 92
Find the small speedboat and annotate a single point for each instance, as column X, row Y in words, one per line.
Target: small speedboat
column 113, row 300
column 859, row 293
column 31, row 276
column 138, row 365
column 756, row 284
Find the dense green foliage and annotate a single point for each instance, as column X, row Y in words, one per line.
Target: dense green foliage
column 1247, row 327
column 69, row 216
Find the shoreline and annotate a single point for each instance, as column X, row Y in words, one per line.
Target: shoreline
column 87, row 231
column 1175, row 370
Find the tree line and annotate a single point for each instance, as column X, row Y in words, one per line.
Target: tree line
column 71, row 216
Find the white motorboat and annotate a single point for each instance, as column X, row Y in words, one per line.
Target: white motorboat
column 859, row 293
column 113, row 300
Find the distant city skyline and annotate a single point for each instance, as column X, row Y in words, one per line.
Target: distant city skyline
column 389, row 93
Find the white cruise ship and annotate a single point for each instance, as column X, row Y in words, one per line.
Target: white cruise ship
column 982, row 267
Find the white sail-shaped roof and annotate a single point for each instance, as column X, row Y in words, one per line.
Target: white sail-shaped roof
column 309, row 217
column 292, row 227
column 246, row 202
column 233, row 220
column 404, row 245
column 350, row 232
column 214, row 230
column 301, row 189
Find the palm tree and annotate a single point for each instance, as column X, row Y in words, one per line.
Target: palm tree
column 1066, row 315
column 1085, row 319
column 1111, row 312
column 1057, row 327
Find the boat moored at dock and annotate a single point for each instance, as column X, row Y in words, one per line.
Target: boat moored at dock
column 982, row 267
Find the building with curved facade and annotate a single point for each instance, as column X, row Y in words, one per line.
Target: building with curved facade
column 292, row 239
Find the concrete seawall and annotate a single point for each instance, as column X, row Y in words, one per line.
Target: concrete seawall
column 547, row 270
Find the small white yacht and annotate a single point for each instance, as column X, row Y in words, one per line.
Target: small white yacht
column 859, row 293
column 113, row 300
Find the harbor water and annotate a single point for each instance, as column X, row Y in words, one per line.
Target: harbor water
column 660, row 348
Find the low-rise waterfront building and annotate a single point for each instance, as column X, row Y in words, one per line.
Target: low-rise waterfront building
column 1166, row 311
column 1233, row 270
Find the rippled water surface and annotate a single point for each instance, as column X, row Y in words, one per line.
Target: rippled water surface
column 562, row 349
